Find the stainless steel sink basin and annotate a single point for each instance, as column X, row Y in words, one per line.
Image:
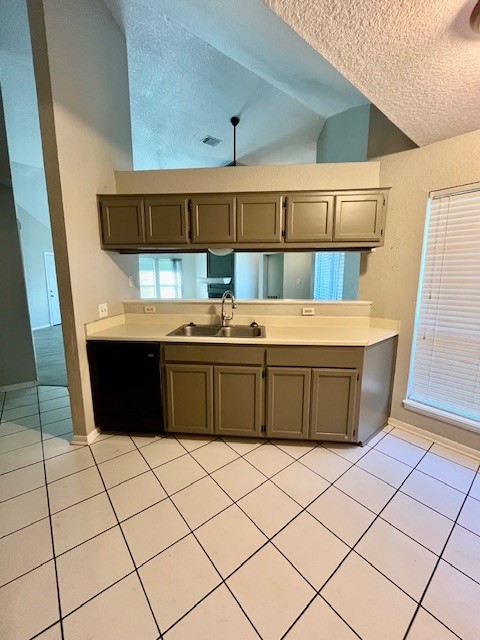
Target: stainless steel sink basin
column 216, row 331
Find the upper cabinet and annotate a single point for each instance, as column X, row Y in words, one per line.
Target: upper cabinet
column 313, row 220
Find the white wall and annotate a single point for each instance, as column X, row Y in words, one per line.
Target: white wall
column 297, row 273
column 247, row 275
column 81, row 72
column 344, row 137
column 389, row 276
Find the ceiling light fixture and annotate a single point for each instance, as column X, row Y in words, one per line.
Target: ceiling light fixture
column 235, row 120
column 211, row 141
column 475, row 18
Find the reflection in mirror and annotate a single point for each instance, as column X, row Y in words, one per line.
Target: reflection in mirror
column 328, row 275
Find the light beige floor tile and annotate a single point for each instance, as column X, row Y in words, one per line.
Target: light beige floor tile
column 427, row 527
column 111, row 448
column 238, row 478
column 426, row 627
column 10, row 415
column 79, row 486
column 434, row 494
column 54, row 403
column 54, row 633
column 218, row 617
column 135, row 495
column 122, row 468
column 311, row 548
column 177, row 579
column 470, row 515
column 412, row 438
column 268, row 459
column 244, row 445
column 92, row 567
column 55, row 415
column 351, row 452
column 143, row 439
column 179, row 473
column 201, row 501
column 20, row 424
column 153, row 530
column 192, row 442
column 295, row 448
column 47, row 392
column 325, row 463
column 23, row 510
column 341, row 514
column 453, row 598
column 56, row 429
column 18, row 440
column 81, row 522
column 322, row 623
column 405, row 562
column 376, row 438
column 25, row 550
column 22, row 480
column 22, row 393
column 21, row 401
column 229, row 539
column 214, row 455
column 353, row 590
column 384, row 467
column 270, row 591
column 77, row 459
column 463, row 552
column 475, row 490
column 370, row 491
column 24, row 613
column 455, row 456
column 57, row 446
column 162, row 451
column 269, row 508
column 121, row 611
column 20, row 458
column 300, row 483
column 400, row 450
column 451, row 473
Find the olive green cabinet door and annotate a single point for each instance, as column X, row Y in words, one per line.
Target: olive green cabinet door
column 359, row 218
column 189, row 398
column 213, row 219
column 238, row 400
column 288, row 405
column 121, row 221
column 309, row 218
column 333, row 403
column 259, row 218
column 166, row 220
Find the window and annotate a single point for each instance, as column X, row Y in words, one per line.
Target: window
column 160, row 277
column 328, row 270
column 444, row 376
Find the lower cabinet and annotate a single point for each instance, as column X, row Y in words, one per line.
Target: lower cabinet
column 311, row 403
column 214, row 399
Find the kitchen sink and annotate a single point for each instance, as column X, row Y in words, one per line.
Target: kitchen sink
column 216, row 331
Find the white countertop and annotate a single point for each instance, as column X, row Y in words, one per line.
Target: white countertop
column 342, row 336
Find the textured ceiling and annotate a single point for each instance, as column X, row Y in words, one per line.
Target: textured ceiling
column 416, row 60
column 195, row 63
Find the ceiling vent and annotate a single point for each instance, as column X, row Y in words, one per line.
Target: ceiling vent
column 211, row 141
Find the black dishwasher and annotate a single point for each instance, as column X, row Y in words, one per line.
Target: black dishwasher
column 126, row 389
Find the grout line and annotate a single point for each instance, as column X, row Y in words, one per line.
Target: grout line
column 440, row 557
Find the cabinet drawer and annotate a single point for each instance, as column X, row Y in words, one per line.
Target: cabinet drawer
column 220, row 354
column 345, row 357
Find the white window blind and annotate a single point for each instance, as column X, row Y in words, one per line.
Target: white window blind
column 160, row 277
column 445, row 369
column 328, row 275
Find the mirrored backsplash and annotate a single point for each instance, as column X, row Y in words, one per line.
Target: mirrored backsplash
column 250, row 276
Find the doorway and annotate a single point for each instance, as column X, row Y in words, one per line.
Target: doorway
column 273, row 270
column 52, row 288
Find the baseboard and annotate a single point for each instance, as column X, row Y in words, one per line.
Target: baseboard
column 20, row 385
column 446, row 442
column 88, row 439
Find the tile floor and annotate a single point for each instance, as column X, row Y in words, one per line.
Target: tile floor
column 188, row 538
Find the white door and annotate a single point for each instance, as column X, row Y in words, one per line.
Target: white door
column 273, row 270
column 52, row 290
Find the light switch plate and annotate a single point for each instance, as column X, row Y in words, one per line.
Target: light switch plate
column 103, row 310
column 150, row 308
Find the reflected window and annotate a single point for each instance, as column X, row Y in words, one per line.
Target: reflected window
column 328, row 275
column 160, row 277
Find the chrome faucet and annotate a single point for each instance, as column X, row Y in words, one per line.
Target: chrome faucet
column 226, row 319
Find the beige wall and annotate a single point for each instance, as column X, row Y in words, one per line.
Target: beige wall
column 389, row 276
column 347, row 175
column 82, row 81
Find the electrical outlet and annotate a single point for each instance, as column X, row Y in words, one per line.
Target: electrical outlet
column 103, row 310
column 150, row 308
column 130, row 282
column 308, row 311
